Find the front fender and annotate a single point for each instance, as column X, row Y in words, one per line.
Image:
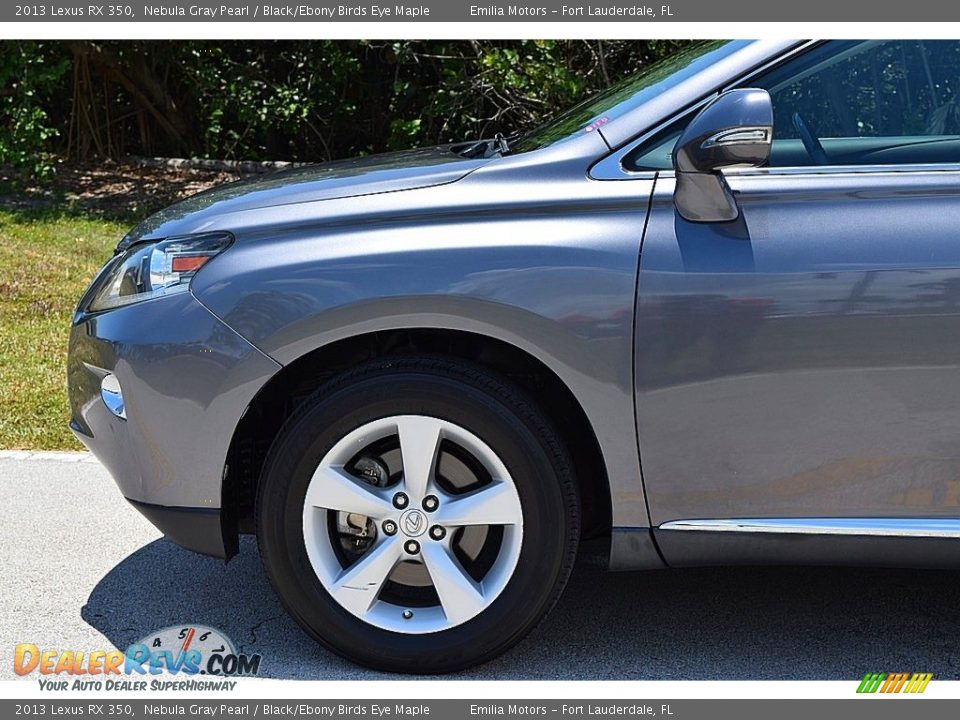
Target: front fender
column 556, row 279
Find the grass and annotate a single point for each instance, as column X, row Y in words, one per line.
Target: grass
column 47, row 258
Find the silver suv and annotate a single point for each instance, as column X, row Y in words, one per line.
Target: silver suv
column 710, row 316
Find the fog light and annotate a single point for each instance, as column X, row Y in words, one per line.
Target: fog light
column 112, row 395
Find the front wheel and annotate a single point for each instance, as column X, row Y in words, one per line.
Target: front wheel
column 418, row 515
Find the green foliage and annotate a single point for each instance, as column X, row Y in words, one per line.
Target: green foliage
column 31, row 75
column 289, row 100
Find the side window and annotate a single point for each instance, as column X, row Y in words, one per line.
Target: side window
column 657, row 152
column 854, row 103
column 877, row 102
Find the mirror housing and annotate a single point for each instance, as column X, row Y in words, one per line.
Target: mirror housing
column 735, row 128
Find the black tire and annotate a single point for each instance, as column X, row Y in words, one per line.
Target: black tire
column 493, row 410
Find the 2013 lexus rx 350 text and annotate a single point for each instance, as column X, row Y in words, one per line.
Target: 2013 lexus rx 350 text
column 711, row 316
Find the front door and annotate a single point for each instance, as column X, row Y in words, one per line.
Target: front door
column 802, row 363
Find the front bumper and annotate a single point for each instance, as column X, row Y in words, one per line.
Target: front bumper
column 197, row 529
column 186, row 380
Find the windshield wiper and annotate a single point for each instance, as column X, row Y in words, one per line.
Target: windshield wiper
column 504, row 142
column 499, row 144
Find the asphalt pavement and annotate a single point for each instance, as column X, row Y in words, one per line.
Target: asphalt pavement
column 83, row 571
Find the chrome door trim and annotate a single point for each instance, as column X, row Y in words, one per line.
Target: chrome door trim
column 611, row 168
column 877, row 527
column 862, row 169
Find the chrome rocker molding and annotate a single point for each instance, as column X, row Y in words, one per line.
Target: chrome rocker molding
column 883, row 527
column 852, row 542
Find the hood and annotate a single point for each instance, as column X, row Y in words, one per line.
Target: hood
column 388, row 172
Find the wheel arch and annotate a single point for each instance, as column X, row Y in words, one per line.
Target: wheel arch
column 298, row 379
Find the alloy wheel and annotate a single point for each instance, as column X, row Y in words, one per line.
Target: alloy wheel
column 412, row 524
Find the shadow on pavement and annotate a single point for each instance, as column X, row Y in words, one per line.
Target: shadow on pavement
column 714, row 623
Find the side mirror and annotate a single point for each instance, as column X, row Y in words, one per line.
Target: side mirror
column 735, row 128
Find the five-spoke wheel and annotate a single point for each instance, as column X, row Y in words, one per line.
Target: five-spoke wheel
column 419, row 546
column 418, row 515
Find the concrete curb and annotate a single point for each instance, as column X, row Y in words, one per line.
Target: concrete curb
column 48, row 455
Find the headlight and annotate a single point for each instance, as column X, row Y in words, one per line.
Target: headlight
column 155, row 269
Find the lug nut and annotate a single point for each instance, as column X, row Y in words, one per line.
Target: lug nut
column 430, row 503
column 390, row 527
column 400, row 501
column 437, row 532
column 412, row 547
column 407, row 614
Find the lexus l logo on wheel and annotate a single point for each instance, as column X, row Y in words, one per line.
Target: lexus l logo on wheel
column 413, row 523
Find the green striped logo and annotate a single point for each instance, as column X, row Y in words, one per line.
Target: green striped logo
column 894, row 682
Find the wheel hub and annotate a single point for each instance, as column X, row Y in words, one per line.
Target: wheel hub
column 413, row 523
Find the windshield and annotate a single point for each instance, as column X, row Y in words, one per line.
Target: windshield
column 627, row 94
